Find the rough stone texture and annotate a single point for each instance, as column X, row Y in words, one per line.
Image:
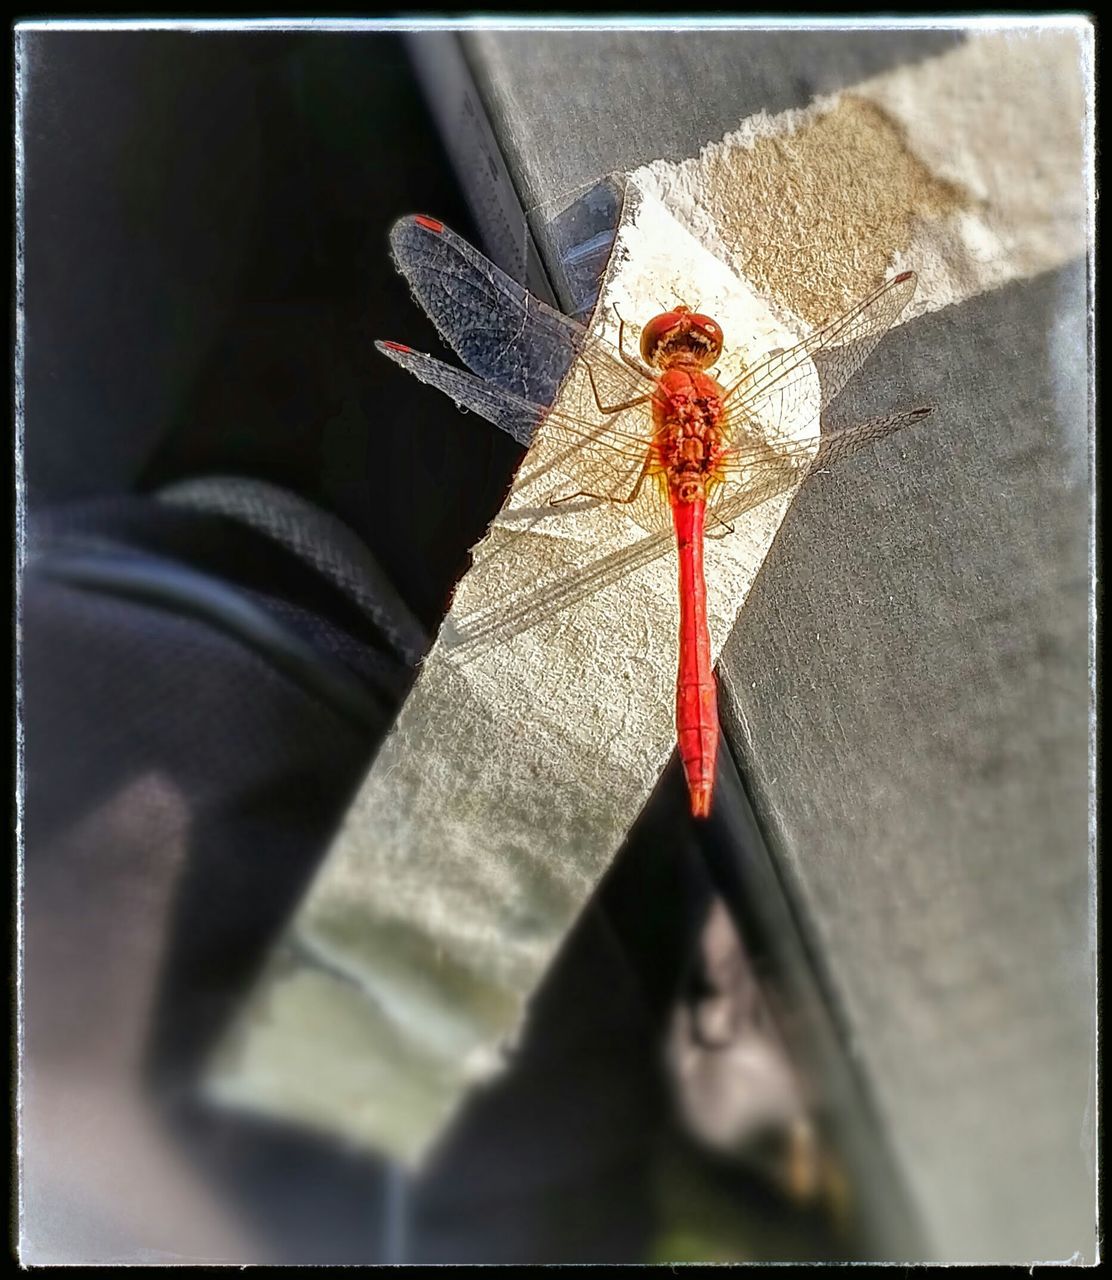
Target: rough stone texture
column 911, row 689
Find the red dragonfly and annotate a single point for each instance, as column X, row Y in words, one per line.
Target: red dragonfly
column 661, row 423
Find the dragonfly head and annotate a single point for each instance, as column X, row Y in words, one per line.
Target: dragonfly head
column 681, row 336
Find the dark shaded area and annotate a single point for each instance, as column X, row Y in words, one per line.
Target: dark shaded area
column 206, row 223
column 181, row 789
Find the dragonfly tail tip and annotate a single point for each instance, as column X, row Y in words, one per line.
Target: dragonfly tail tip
column 700, row 800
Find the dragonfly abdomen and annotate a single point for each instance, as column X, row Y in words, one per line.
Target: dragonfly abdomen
column 696, row 695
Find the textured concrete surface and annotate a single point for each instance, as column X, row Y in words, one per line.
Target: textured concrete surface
column 910, row 706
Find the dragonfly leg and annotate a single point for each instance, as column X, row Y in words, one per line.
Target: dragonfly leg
column 608, row 497
column 629, row 360
column 612, row 408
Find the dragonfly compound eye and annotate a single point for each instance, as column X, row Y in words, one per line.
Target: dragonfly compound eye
column 658, row 330
column 681, row 334
column 706, row 334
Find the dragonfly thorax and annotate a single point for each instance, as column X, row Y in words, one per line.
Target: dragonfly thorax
column 688, row 439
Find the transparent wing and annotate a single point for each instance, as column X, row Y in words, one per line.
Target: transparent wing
column 497, row 328
column 514, row 414
column 602, row 461
column 771, row 417
column 526, row 349
column 779, row 389
column 504, row 618
column 550, row 596
column 836, row 446
column 599, row 464
column 767, row 471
